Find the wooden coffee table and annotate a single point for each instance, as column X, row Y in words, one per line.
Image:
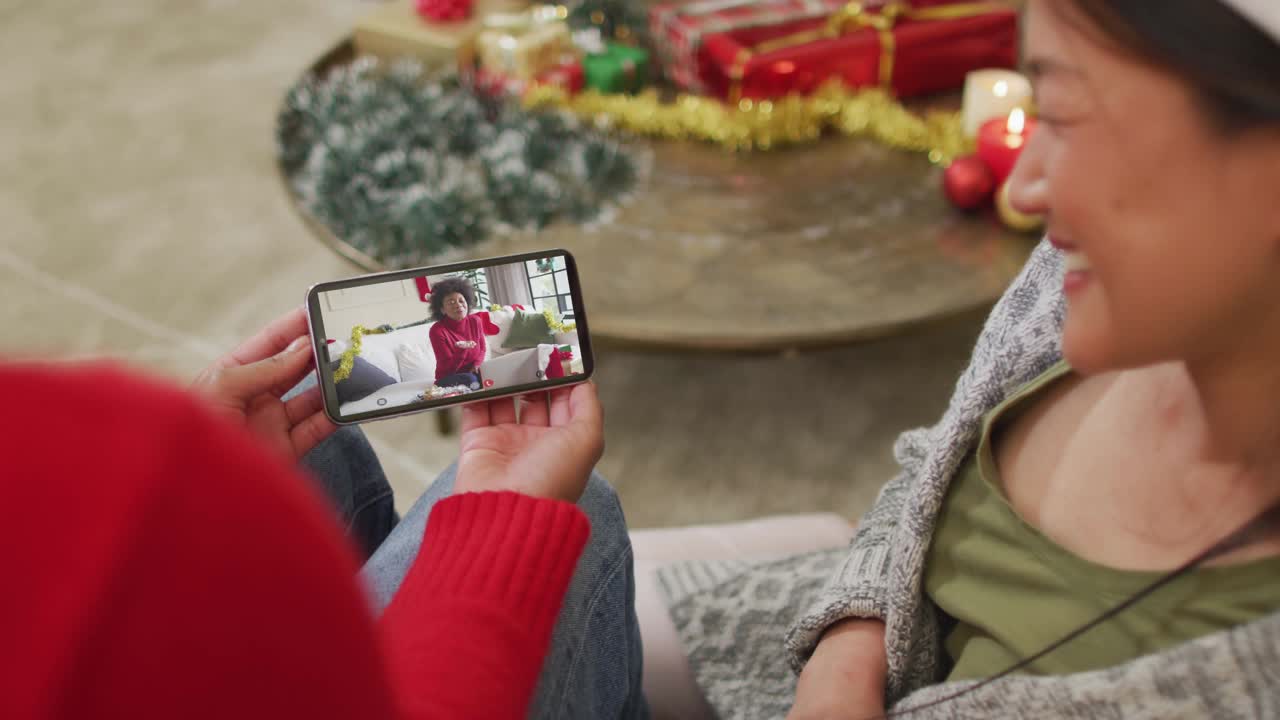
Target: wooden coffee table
column 832, row 243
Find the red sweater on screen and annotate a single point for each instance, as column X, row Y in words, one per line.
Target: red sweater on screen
column 157, row 562
column 446, row 333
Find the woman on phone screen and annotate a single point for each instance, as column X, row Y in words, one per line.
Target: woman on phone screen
column 457, row 337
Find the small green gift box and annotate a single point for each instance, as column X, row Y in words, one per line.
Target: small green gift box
column 619, row 69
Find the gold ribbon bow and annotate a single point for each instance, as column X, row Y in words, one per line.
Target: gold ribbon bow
column 855, row 17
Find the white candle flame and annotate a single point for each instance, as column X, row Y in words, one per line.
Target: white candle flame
column 1017, row 121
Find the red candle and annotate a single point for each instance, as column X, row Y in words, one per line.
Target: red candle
column 1000, row 142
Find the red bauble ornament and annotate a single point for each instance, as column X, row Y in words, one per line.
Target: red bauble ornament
column 445, row 10
column 968, row 182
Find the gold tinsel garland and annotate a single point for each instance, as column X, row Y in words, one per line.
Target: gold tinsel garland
column 348, row 360
column 768, row 124
column 554, row 323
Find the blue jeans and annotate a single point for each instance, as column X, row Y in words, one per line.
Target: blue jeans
column 593, row 666
column 350, row 475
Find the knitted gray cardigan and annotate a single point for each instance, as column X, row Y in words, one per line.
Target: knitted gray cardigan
column 733, row 618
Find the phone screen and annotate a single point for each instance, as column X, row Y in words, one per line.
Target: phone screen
column 411, row 340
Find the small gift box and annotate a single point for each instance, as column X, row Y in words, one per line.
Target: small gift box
column 910, row 49
column 395, row 30
column 567, row 76
column 523, row 45
column 619, row 69
column 611, row 67
column 561, row 362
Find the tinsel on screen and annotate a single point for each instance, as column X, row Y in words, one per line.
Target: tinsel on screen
column 407, row 168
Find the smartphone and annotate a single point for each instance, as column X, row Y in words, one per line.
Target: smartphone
column 402, row 342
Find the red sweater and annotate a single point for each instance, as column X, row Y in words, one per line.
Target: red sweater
column 158, row 562
column 450, row 358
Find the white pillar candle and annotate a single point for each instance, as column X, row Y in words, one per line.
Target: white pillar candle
column 993, row 93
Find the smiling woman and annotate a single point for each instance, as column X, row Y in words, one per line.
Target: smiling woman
column 1158, row 133
column 457, row 337
column 1118, row 419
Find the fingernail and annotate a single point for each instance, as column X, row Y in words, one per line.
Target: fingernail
column 297, row 345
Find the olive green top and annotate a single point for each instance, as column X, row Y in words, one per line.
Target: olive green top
column 1012, row 591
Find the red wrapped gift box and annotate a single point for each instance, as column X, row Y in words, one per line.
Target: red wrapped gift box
column 679, row 27
column 911, row 49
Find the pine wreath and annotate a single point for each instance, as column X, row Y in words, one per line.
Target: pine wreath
column 405, row 167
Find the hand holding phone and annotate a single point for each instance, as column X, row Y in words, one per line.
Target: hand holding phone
column 549, row 451
column 247, row 384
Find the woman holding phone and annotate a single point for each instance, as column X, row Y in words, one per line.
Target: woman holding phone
column 175, row 563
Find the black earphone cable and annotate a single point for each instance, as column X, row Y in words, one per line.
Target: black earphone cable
column 1257, row 529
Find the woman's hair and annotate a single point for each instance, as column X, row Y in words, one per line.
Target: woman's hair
column 1229, row 62
column 447, row 287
